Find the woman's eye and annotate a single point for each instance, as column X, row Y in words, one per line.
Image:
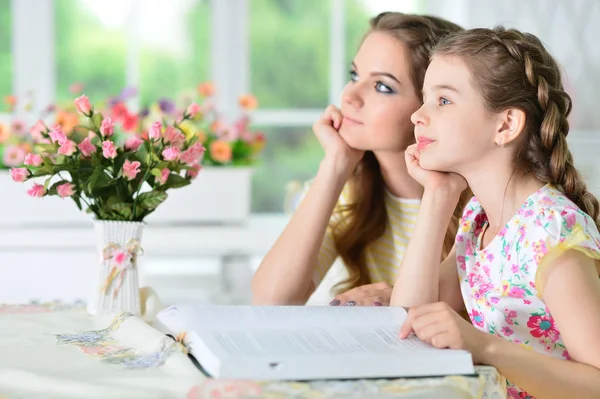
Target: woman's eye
column 383, row 88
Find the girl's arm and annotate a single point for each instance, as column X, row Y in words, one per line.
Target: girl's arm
column 421, row 274
column 572, row 293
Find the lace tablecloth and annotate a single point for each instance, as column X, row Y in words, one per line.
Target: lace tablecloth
column 57, row 351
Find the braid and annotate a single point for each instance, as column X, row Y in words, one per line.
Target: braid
column 515, row 71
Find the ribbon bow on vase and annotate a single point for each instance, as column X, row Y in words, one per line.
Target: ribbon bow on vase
column 121, row 259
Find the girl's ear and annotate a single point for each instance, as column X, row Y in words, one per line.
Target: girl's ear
column 511, row 125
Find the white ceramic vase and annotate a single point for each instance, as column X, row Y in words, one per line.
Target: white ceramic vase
column 117, row 288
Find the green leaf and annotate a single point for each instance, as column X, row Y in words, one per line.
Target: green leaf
column 151, row 199
column 175, row 181
column 47, row 183
column 156, row 172
column 119, row 161
column 45, row 148
column 77, row 201
column 41, row 172
column 97, row 118
column 123, row 209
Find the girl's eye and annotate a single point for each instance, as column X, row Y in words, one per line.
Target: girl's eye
column 353, row 76
column 444, row 101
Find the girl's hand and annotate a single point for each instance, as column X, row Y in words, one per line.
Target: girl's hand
column 378, row 294
column 432, row 179
column 439, row 325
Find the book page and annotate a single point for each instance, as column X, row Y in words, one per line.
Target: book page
column 262, row 343
column 280, row 317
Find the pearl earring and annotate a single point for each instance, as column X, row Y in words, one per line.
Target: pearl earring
column 500, row 142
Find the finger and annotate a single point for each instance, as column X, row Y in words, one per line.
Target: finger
column 416, row 312
column 337, row 118
column 329, row 113
column 417, row 153
column 376, row 300
column 428, row 331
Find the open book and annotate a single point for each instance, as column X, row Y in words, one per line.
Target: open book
column 306, row 343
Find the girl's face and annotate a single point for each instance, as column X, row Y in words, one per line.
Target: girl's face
column 453, row 129
column 380, row 97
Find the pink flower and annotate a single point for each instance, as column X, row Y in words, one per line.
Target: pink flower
column 174, row 137
column 507, row 331
column 171, row 153
column 76, row 88
column 510, row 316
column 37, row 190
column 57, row 135
column 543, row 326
column 516, row 292
column 193, row 173
column 14, row 156
column 566, row 355
column 164, row 175
column 83, row 106
column 193, row 110
column 36, row 131
column 193, row 155
column 460, row 260
column 67, row 148
column 526, row 302
column 107, row 128
column 65, row 190
column 122, row 260
column 86, row 147
column 154, row 132
column 570, row 218
column 133, row 143
column 19, row 128
column 19, row 174
column 490, row 257
column 477, row 318
column 514, row 268
column 131, row 169
column 33, row 160
column 108, row 149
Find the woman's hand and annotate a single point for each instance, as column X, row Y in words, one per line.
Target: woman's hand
column 326, row 130
column 431, row 179
column 378, row 294
column 439, row 325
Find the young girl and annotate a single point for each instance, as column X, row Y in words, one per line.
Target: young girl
column 369, row 224
column 525, row 259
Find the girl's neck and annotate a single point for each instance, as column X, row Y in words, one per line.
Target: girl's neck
column 396, row 177
column 502, row 193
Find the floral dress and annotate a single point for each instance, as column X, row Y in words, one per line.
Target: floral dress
column 500, row 283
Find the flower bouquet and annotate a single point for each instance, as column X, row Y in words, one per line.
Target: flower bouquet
column 117, row 176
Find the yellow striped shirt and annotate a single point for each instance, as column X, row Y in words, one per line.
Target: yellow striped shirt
column 384, row 255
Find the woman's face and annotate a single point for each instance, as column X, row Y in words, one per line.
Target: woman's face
column 380, row 97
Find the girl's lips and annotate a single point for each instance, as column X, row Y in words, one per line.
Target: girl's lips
column 423, row 142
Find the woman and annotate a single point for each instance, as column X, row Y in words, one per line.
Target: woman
column 362, row 204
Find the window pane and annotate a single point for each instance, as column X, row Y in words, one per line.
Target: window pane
column 292, row 153
column 174, row 54
column 359, row 12
column 91, row 47
column 289, row 47
column 5, row 45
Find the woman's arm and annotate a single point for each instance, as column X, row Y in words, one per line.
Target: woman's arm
column 572, row 295
column 284, row 277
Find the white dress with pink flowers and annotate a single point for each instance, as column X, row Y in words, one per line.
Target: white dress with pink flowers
column 499, row 283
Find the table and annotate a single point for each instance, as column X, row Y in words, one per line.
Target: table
column 48, row 351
